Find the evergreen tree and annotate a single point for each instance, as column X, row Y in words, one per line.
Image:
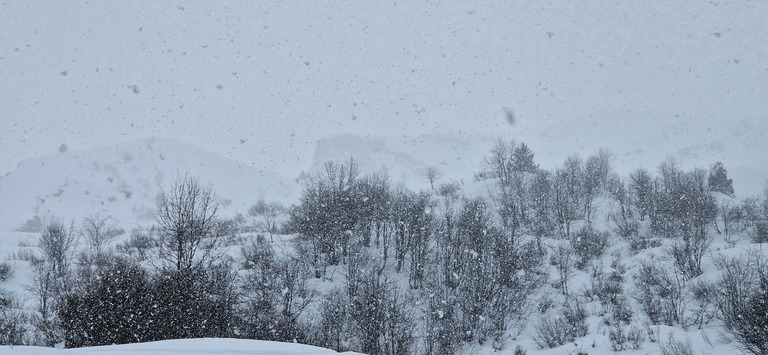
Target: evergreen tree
column 719, row 181
column 522, row 159
column 641, row 187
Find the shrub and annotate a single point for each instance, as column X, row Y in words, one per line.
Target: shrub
column 138, row 246
column 618, row 338
column 624, row 339
column 626, row 227
column 660, row 294
column 704, row 294
column 606, row 289
column 5, row 271
column 687, row 254
column 113, row 307
column 588, row 243
column 334, row 323
column 760, row 235
column 120, row 303
column 562, row 257
column 622, row 311
column 636, row 337
column 13, row 323
column 576, row 316
column 675, row 347
column 641, row 242
column 552, row 332
column 742, row 300
column 25, row 254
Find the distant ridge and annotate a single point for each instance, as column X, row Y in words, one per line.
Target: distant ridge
column 632, row 144
column 123, row 180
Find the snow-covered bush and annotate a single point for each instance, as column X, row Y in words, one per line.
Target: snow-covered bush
column 334, row 328
column 551, row 332
column 760, row 234
column 138, row 245
column 660, row 294
column 688, row 253
column 588, row 243
column 622, row 311
column 554, row 331
column 626, row 338
column 5, row 271
column 275, row 294
column 606, row 289
column 705, row 298
column 112, row 306
column 13, row 322
column 676, row 347
column 98, row 231
column 122, row 303
column 742, row 300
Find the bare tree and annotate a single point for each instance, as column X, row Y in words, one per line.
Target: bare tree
column 51, row 277
column 564, row 259
column 328, row 213
column 432, row 174
column 57, row 243
column 500, row 160
column 268, row 214
column 596, row 170
column 641, row 190
column 98, row 231
column 189, row 229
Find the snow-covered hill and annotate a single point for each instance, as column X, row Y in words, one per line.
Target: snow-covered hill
column 181, row 347
column 405, row 157
column 632, row 144
column 124, row 180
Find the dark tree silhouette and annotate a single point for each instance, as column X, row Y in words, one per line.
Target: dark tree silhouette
column 718, row 180
column 188, row 227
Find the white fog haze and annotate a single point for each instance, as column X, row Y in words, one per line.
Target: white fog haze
column 262, row 82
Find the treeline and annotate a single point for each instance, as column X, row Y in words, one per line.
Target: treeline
column 377, row 268
column 471, row 277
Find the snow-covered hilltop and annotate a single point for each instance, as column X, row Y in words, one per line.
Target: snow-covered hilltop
column 124, row 180
column 738, row 144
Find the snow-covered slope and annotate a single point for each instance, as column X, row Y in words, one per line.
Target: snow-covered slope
column 124, row 180
column 181, row 347
column 405, row 157
column 633, row 144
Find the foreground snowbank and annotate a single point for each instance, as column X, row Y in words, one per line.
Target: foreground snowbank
column 180, row 347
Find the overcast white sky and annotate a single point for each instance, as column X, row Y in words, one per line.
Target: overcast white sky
column 262, row 81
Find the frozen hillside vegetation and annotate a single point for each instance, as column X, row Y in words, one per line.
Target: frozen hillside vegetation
column 395, row 254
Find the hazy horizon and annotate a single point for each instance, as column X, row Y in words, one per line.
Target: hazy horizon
column 263, row 82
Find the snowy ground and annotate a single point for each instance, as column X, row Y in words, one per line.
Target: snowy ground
column 181, row 347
